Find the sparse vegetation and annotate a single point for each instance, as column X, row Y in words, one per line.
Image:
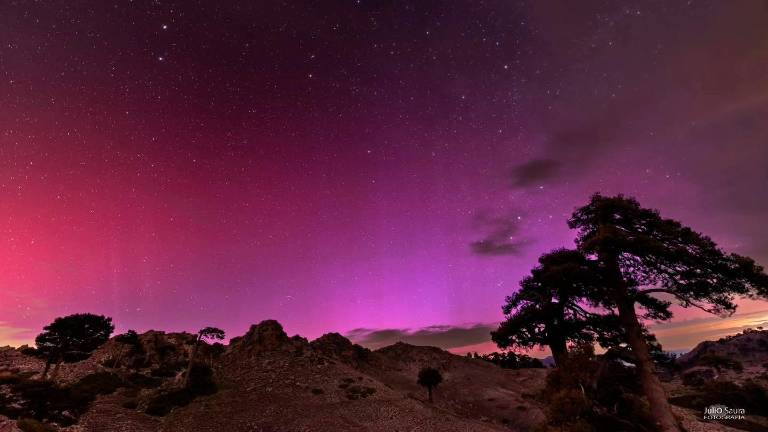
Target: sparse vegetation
column 128, row 341
column 719, row 362
column 594, row 393
column 200, row 383
column 429, row 378
column 355, row 392
column 48, row 402
column 207, row 333
column 510, row 360
column 31, row 425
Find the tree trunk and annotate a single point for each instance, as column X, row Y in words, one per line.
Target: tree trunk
column 559, row 352
column 654, row 391
column 55, row 372
column 191, row 361
column 47, row 368
column 429, row 390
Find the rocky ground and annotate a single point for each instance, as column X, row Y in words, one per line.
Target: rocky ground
column 731, row 371
column 269, row 382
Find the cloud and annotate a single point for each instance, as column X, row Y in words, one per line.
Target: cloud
column 502, row 238
column 675, row 335
column 535, row 172
column 686, row 334
column 441, row 336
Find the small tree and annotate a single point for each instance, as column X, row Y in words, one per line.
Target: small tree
column 642, row 255
column 72, row 338
column 549, row 307
column 207, row 333
column 430, row 378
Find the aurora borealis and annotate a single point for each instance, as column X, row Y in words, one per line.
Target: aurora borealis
column 355, row 164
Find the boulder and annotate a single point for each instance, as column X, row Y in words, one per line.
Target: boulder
column 698, row 376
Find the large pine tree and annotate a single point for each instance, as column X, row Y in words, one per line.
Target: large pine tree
column 647, row 263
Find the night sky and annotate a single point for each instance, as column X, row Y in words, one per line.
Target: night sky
column 368, row 165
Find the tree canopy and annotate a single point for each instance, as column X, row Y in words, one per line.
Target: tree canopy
column 75, row 336
column 72, row 338
column 430, row 378
column 549, row 309
column 641, row 256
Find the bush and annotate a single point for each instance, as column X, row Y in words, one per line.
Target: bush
column 568, row 405
column 32, row 425
column 164, row 402
column 44, row 401
column 131, row 404
column 591, row 393
column 510, row 360
column 698, row 377
column 99, row 383
column 719, row 362
column 750, row 396
column 200, row 383
column 201, row 380
column 142, row 381
column 167, row 370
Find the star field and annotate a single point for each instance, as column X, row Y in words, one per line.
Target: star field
column 347, row 164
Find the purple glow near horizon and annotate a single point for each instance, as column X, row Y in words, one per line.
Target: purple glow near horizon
column 182, row 164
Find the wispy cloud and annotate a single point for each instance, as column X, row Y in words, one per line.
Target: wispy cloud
column 687, row 334
column 441, row 336
column 675, row 335
column 502, row 238
column 535, row 172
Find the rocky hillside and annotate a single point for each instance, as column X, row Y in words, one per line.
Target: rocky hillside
column 267, row 381
column 731, row 371
column 739, row 357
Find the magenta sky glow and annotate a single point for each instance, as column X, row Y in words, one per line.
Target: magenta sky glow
column 176, row 164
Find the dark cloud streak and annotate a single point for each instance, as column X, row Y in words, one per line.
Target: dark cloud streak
column 535, row 172
column 442, row 336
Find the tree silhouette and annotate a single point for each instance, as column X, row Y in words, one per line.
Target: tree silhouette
column 207, row 333
column 72, row 338
column 430, row 378
column 549, row 307
column 641, row 255
column 130, row 338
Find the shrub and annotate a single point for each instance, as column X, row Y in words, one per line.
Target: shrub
column 131, row 404
column 698, row 377
column 750, row 396
column 201, row 380
column 200, row 383
column 355, row 392
column 142, row 381
column 43, row 401
column 719, row 362
column 96, row 384
column 167, row 370
column 510, row 360
column 591, row 393
column 164, row 402
column 32, row 425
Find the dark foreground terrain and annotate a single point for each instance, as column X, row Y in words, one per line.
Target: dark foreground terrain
column 267, row 381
